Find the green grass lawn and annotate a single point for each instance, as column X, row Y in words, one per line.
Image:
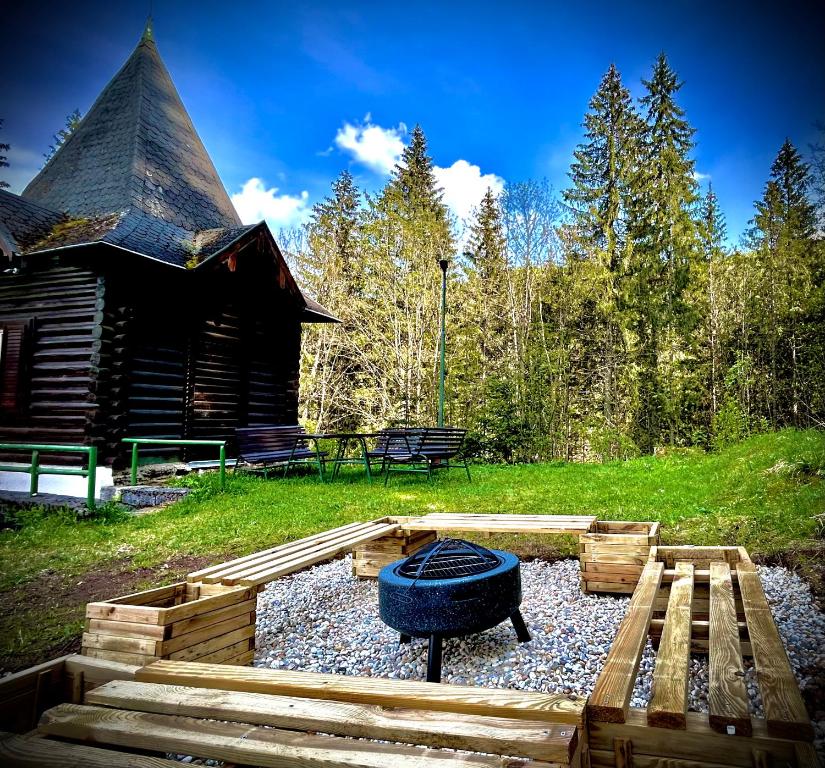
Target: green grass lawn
column 763, row 494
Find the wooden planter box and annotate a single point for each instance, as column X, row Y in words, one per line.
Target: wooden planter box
column 613, row 554
column 174, row 622
column 368, row 559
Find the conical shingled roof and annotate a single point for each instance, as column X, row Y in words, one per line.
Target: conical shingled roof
column 136, row 150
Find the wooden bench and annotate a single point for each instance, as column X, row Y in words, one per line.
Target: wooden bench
column 716, row 592
column 268, row 446
column 261, row 567
column 415, row 532
column 276, row 718
column 421, row 449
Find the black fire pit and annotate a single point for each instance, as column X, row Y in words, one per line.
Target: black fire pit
column 447, row 589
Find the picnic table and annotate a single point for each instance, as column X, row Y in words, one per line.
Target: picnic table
column 345, row 439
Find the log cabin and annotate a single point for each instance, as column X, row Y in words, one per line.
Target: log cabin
column 133, row 301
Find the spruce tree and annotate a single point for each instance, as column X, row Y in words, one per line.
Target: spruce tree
column 410, row 231
column 603, row 173
column 664, row 249
column 4, row 161
column 712, row 230
column 790, row 269
column 72, row 121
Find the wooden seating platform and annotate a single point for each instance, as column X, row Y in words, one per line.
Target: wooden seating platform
column 494, row 523
column 716, row 592
column 264, row 717
column 261, row 567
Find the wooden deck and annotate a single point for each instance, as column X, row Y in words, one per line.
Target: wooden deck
column 282, row 719
column 717, row 591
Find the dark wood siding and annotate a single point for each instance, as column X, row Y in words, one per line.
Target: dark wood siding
column 60, row 308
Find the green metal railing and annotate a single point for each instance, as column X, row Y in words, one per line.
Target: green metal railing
column 136, row 442
column 35, row 470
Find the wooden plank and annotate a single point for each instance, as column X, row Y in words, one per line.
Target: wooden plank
column 537, row 739
column 698, row 742
column 671, row 555
column 186, row 626
column 196, row 576
column 668, row 702
column 136, row 659
column 207, row 633
column 24, row 752
column 727, row 693
column 611, row 696
column 281, row 568
column 601, row 555
column 126, row 629
column 208, row 604
column 142, row 645
column 245, row 744
column 192, row 652
column 137, row 614
column 499, row 526
column 784, row 708
column 522, row 705
column 291, row 549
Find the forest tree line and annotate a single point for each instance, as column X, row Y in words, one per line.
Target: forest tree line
column 604, row 322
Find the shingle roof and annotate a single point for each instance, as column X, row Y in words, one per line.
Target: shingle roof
column 136, row 149
column 23, row 222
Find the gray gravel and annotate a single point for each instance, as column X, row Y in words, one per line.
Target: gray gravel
column 325, row 620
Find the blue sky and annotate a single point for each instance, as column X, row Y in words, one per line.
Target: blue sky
column 286, row 95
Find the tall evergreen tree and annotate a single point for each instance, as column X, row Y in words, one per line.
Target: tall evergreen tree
column 4, row 161
column 331, row 271
column 789, row 266
column 712, row 234
column 410, row 231
column 603, row 172
column 664, row 249
column 72, row 121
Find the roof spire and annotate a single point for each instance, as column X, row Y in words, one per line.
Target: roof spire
column 148, row 33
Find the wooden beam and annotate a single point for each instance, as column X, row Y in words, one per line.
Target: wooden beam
column 668, row 702
column 727, row 694
column 495, row 735
column 26, row 752
column 611, row 696
column 522, row 705
column 784, row 708
column 697, row 743
column 245, row 744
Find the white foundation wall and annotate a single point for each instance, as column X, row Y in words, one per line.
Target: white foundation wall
column 63, row 485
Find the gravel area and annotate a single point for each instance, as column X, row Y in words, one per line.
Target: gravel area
column 325, row 620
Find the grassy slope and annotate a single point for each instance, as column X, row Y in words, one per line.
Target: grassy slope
column 762, row 494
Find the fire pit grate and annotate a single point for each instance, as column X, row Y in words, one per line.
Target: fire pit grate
column 448, row 559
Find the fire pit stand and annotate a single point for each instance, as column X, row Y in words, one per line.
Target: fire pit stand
column 448, row 589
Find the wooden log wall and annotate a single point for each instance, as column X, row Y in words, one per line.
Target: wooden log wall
column 61, row 307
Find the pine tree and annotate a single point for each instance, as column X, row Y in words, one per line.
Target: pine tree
column 664, row 249
column 410, row 231
column 712, row 235
column 4, row 161
column 72, row 121
column 603, row 172
column 789, row 265
column 331, row 271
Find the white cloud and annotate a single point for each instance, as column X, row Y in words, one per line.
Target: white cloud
column 464, row 185
column 376, row 147
column 255, row 202
column 701, row 176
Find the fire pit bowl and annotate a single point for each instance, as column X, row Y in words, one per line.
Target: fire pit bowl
column 447, row 589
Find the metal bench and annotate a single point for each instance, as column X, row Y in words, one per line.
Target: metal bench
column 268, row 446
column 421, row 449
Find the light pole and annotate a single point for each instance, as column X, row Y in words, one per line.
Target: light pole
column 443, row 263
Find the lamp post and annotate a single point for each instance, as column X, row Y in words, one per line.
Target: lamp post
column 443, row 263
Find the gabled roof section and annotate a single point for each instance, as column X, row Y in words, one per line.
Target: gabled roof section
column 136, row 150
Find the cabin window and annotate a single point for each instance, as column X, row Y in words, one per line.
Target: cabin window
column 13, row 365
